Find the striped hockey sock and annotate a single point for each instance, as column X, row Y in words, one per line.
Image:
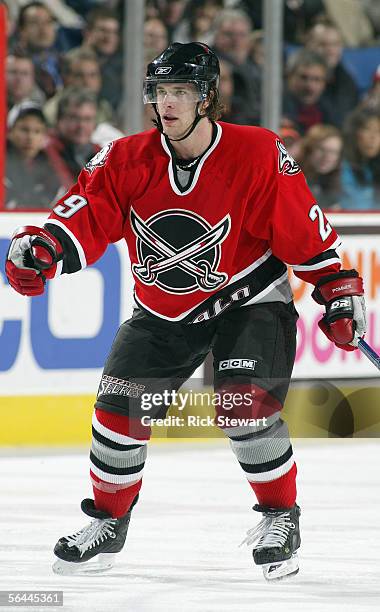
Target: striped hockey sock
column 278, row 493
column 117, row 460
column 267, row 460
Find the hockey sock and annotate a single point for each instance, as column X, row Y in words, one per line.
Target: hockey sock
column 278, row 493
column 266, row 458
column 117, row 460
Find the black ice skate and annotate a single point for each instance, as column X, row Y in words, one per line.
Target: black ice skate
column 276, row 540
column 93, row 548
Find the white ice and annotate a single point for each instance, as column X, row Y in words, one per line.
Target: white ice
column 182, row 549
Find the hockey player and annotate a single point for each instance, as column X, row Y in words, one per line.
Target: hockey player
column 211, row 213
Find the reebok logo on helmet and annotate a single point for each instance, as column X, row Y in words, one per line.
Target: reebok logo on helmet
column 163, row 70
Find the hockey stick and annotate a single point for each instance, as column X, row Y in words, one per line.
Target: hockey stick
column 369, row 352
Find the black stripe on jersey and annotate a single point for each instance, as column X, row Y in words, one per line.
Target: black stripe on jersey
column 112, row 470
column 71, row 260
column 269, row 465
column 259, row 279
column 112, row 444
column 330, row 254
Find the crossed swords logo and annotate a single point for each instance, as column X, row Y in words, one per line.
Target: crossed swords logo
column 169, row 257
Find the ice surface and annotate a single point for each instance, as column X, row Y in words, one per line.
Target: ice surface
column 182, row 549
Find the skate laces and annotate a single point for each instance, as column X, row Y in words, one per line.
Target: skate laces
column 91, row 535
column 271, row 531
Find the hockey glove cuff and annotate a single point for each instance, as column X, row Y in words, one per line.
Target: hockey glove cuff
column 345, row 319
column 32, row 258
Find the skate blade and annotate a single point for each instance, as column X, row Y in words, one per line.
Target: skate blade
column 280, row 571
column 100, row 564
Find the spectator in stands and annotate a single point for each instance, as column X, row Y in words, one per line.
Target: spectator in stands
column 202, row 14
column 36, row 37
column 20, row 81
column 321, row 160
column 155, row 36
column 372, row 10
column 102, row 35
column 352, row 21
column 257, row 48
column 27, row 159
column 71, row 145
column 341, row 92
column 299, row 15
column 198, row 21
column 233, row 112
column 306, row 81
column 172, row 13
column 232, row 42
column 80, row 68
column 83, row 7
column 11, row 18
column 151, row 9
column 372, row 97
column 361, row 164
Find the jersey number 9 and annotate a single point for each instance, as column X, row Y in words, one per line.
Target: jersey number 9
column 70, row 206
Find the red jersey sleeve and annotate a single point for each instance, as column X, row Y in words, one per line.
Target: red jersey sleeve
column 90, row 215
column 286, row 214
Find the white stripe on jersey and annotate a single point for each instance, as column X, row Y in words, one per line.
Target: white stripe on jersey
column 251, row 267
column 316, row 266
column 335, row 245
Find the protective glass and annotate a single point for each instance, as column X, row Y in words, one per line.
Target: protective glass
column 182, row 91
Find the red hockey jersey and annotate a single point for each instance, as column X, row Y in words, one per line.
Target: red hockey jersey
column 221, row 241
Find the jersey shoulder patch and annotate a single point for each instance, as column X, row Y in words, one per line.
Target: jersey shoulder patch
column 286, row 164
column 99, row 159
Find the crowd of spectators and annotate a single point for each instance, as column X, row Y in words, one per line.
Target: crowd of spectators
column 64, row 87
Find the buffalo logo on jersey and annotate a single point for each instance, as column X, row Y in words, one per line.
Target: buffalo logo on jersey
column 179, row 251
column 99, row 159
column 286, row 163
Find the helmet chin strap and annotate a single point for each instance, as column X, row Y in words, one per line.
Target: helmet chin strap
column 197, row 119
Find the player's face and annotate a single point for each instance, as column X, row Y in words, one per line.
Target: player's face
column 176, row 104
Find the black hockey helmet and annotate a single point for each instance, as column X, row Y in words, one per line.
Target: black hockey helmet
column 191, row 62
